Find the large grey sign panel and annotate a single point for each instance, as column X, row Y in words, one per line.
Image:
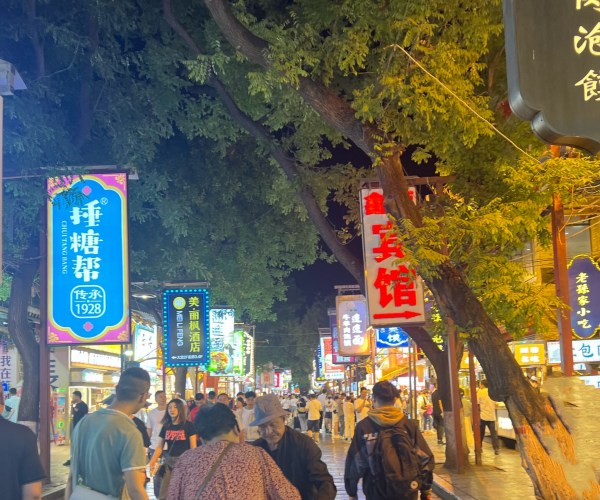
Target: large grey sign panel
column 553, row 66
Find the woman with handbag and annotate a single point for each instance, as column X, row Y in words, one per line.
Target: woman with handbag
column 179, row 435
column 223, row 468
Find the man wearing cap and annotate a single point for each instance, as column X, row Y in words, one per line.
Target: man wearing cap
column 297, row 455
column 362, row 450
column 21, row 471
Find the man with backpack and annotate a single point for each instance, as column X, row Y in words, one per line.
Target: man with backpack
column 389, row 453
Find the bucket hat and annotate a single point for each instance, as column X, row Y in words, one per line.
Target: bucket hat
column 266, row 408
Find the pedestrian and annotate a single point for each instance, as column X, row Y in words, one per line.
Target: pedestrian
column 349, row 419
column 295, row 453
column 247, row 417
column 386, row 430
column 11, row 406
column 362, row 405
column 328, row 414
column 335, row 417
column 487, row 416
column 425, row 410
column 21, row 470
column 437, row 412
column 467, row 408
column 154, row 426
column 199, row 402
column 314, row 410
column 79, row 409
column 211, row 398
column 223, row 468
column 302, row 413
column 179, row 435
column 322, row 398
column 107, row 452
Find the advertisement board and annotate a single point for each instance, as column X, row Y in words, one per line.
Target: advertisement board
column 248, row 355
column 330, row 371
column 185, row 327
column 584, row 351
column 351, row 313
column 88, row 268
column 391, row 337
column 584, row 292
column 394, row 291
column 337, row 358
column 226, row 345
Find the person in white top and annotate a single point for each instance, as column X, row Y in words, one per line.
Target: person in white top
column 322, row 398
column 362, row 405
column 154, row 426
column 314, row 412
column 487, row 416
column 349, row 418
column 247, row 416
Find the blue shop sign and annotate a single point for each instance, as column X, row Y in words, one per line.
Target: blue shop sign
column 391, row 337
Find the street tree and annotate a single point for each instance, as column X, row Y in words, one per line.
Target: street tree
column 386, row 75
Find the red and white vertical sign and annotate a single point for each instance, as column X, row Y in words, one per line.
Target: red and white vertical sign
column 394, row 291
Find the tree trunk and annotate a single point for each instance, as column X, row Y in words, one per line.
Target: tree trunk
column 24, row 339
column 180, row 378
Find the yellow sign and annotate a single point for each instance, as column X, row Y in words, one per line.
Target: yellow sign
column 530, row 354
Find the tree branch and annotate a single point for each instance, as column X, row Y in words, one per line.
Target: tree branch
column 333, row 109
column 288, row 164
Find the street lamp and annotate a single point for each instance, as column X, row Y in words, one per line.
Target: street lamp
column 10, row 80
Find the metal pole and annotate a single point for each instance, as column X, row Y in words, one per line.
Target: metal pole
column 475, row 406
column 559, row 246
column 44, row 435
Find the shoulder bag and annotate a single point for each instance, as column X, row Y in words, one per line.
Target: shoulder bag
column 212, row 471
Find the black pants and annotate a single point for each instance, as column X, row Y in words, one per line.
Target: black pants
column 438, row 424
column 491, row 425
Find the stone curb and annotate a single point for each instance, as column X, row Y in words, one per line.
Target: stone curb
column 54, row 493
column 448, row 491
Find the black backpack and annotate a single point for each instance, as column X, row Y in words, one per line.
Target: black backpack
column 397, row 463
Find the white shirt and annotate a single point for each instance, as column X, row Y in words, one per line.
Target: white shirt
column 155, row 423
column 364, row 408
column 487, row 407
column 322, row 398
column 247, row 417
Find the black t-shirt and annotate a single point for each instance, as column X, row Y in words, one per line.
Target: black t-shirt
column 142, row 428
column 80, row 410
column 19, row 461
column 177, row 437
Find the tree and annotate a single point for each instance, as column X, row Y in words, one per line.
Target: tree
column 386, row 75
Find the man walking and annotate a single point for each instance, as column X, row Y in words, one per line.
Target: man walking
column 315, row 410
column 11, row 406
column 107, row 449
column 248, row 416
column 154, row 426
column 79, row 409
column 21, row 470
column 297, row 455
column 385, row 430
column 199, row 403
column 362, row 405
column 487, row 416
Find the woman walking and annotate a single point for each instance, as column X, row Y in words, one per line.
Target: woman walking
column 179, row 436
column 349, row 419
column 223, row 468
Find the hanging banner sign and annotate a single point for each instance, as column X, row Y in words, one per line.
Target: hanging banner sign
column 553, row 68
column 391, row 337
column 248, row 355
column 584, row 292
column 330, row 370
column 352, row 325
column 394, row 291
column 185, row 327
column 9, row 364
column 226, row 345
column 337, row 358
column 88, row 268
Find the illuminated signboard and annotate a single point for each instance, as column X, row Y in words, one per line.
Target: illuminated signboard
column 391, row 337
column 88, row 269
column 584, row 292
column 248, row 355
column 529, row 354
column 394, row 291
column 553, row 70
column 352, row 325
column 335, row 342
column 79, row 357
column 227, row 345
column 329, row 370
column 584, row 351
column 144, row 345
column 185, row 326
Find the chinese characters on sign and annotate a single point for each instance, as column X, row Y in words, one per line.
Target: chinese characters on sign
column 391, row 337
column 584, row 351
column 584, row 292
column 394, row 291
column 88, row 270
column 330, row 371
column 529, row 354
column 185, row 317
column 8, row 366
column 226, row 345
column 352, row 325
column 553, row 68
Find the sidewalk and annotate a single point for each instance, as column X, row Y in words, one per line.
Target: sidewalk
column 500, row 476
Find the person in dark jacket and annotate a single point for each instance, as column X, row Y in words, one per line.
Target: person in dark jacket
column 438, row 414
column 383, row 415
column 297, row 455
